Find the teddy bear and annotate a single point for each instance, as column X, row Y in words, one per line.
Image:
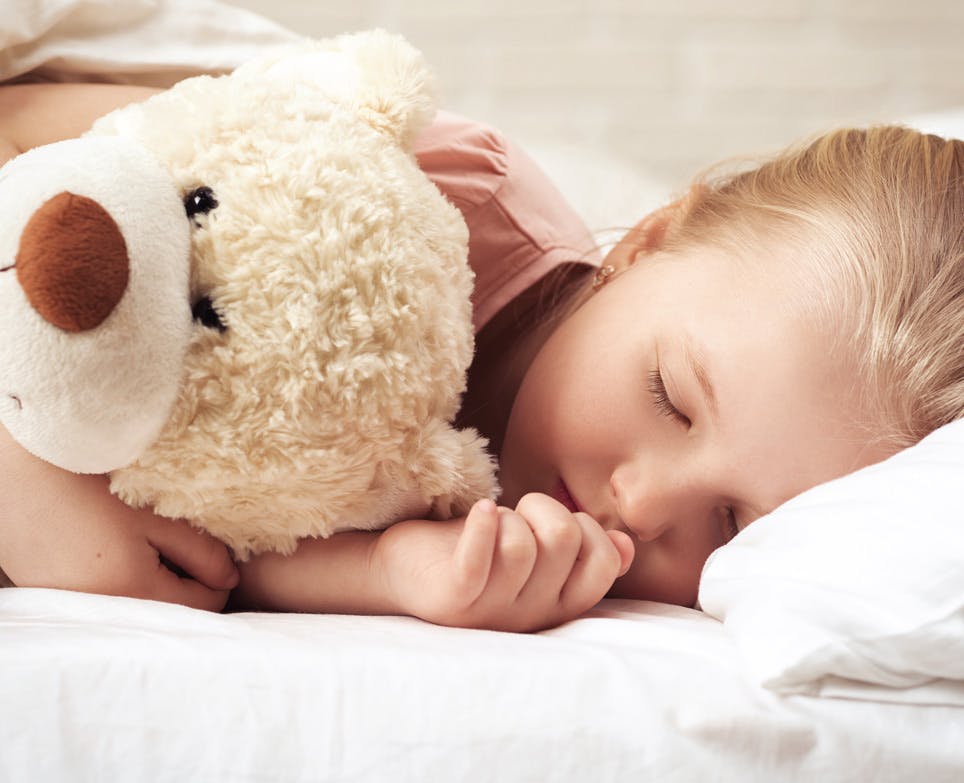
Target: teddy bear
column 244, row 301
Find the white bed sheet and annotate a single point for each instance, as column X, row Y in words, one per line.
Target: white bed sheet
column 99, row 688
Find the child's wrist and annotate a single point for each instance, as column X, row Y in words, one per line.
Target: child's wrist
column 380, row 571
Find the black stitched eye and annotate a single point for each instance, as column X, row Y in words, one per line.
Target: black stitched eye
column 203, row 311
column 200, row 201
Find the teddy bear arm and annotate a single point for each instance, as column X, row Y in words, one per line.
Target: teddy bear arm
column 454, row 468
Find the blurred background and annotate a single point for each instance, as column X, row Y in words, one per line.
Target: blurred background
column 666, row 87
column 621, row 101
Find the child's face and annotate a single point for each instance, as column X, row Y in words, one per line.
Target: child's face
column 591, row 424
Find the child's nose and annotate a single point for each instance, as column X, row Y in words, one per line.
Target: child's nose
column 650, row 504
column 72, row 262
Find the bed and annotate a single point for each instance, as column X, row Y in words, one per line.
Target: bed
column 828, row 644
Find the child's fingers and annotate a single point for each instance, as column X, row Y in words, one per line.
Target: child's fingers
column 199, row 556
column 558, row 538
column 515, row 556
column 177, row 590
column 625, row 547
column 599, row 562
column 475, row 549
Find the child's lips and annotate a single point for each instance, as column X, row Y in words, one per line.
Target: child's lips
column 565, row 497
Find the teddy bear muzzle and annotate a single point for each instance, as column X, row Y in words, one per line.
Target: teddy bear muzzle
column 95, row 269
column 72, row 262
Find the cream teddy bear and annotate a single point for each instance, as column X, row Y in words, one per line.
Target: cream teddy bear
column 244, row 300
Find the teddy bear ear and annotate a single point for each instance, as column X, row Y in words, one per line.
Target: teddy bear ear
column 379, row 74
column 396, row 89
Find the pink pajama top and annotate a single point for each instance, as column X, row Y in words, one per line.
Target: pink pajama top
column 520, row 226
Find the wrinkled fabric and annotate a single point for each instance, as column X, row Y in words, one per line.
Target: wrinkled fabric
column 101, row 688
column 520, row 226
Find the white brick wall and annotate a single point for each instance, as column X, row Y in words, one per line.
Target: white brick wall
column 670, row 85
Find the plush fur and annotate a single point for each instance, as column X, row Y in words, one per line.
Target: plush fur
column 323, row 399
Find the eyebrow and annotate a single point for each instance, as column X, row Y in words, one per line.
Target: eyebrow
column 694, row 359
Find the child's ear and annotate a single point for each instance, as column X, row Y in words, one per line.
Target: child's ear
column 649, row 235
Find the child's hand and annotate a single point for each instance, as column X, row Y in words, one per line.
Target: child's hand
column 163, row 560
column 139, row 555
column 67, row 531
column 522, row 570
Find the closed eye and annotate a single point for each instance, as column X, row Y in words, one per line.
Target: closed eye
column 661, row 400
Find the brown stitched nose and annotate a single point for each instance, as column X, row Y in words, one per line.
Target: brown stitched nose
column 72, row 262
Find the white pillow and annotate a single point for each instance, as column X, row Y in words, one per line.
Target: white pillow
column 855, row 587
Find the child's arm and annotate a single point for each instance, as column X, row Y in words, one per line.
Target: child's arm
column 35, row 114
column 521, row 570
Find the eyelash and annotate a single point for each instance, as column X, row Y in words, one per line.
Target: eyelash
column 657, row 388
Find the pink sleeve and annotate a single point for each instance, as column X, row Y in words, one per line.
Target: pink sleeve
column 520, row 226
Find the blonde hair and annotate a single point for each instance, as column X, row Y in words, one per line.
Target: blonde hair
column 877, row 217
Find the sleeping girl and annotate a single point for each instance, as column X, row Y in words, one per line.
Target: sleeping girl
column 770, row 330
